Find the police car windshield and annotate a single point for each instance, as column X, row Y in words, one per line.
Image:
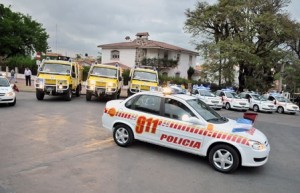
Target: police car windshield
column 206, row 93
column 56, row 68
column 282, row 99
column 205, row 111
column 232, row 95
column 107, row 72
column 4, row 82
column 147, row 76
column 258, row 97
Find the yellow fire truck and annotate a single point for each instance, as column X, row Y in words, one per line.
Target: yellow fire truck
column 142, row 79
column 58, row 77
column 104, row 81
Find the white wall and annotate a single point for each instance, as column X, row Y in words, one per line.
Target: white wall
column 127, row 56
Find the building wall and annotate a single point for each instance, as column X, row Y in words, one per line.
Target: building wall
column 127, row 56
column 183, row 65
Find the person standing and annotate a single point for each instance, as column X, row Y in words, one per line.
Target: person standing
column 12, row 76
column 28, row 74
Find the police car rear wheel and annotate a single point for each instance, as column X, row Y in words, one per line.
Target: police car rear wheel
column 227, row 106
column 255, row 108
column 280, row 110
column 123, row 135
column 224, row 158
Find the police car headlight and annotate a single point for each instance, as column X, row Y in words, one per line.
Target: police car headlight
column 257, row 145
column 9, row 94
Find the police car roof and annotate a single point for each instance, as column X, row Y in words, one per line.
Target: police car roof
column 180, row 96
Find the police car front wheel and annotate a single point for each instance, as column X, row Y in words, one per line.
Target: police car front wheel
column 224, row 158
column 123, row 135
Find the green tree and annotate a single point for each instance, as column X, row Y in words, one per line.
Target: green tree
column 190, row 72
column 20, row 34
column 248, row 34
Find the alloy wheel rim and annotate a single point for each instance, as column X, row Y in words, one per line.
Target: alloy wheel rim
column 223, row 159
column 122, row 135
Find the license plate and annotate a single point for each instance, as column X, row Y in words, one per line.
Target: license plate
column 49, row 89
column 59, row 91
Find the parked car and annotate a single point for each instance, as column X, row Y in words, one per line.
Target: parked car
column 231, row 100
column 209, row 98
column 7, row 93
column 283, row 105
column 258, row 102
column 185, row 123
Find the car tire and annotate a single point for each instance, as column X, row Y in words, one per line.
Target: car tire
column 68, row 96
column 255, row 108
column 13, row 103
column 123, row 135
column 224, row 158
column 88, row 96
column 280, row 110
column 227, row 106
column 40, row 95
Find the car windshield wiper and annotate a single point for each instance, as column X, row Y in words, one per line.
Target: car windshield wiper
column 217, row 119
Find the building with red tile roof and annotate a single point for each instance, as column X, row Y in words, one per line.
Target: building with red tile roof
column 132, row 53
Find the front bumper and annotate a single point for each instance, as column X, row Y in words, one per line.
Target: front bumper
column 101, row 90
column 239, row 106
column 7, row 99
column 254, row 158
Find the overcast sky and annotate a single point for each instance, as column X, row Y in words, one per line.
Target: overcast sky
column 78, row 27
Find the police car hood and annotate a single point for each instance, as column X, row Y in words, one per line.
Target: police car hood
column 5, row 89
column 113, row 103
column 245, row 129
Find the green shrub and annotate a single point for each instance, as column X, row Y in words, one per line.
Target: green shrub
column 125, row 75
column 86, row 70
column 22, row 62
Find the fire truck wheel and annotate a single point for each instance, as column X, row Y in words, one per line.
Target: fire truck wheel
column 40, row 95
column 68, row 96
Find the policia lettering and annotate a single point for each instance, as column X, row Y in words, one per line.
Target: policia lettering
column 180, row 141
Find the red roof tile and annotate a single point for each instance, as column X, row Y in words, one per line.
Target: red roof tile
column 145, row 44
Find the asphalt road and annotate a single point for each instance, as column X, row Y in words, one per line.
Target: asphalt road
column 57, row 146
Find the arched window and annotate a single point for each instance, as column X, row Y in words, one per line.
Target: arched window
column 177, row 75
column 165, row 74
column 115, row 54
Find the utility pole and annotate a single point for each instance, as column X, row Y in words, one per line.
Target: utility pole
column 281, row 77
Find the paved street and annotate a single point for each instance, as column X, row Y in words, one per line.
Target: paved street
column 57, row 146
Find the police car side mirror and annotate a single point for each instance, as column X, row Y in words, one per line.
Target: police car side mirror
column 40, row 68
column 73, row 75
column 120, row 78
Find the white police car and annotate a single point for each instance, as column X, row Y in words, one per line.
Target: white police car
column 186, row 123
column 7, row 94
column 231, row 100
column 258, row 102
column 283, row 105
column 204, row 94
